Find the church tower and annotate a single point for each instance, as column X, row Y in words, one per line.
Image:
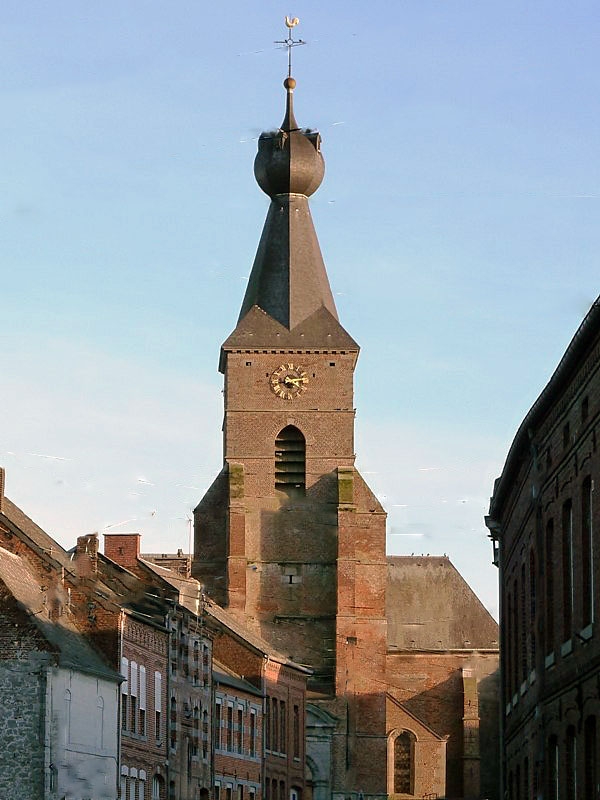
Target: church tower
column 289, row 537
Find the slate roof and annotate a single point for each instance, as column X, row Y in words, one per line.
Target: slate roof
column 429, row 606
column 44, row 541
column 288, row 283
column 190, row 596
column 224, row 676
column 68, row 645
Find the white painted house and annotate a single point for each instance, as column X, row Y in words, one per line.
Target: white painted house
column 59, row 726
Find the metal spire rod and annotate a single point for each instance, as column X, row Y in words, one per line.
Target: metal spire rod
column 289, row 41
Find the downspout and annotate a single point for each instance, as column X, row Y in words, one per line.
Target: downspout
column 46, row 726
column 496, row 536
column 120, row 700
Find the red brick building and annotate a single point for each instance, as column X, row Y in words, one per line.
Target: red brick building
column 238, row 737
column 282, row 686
column 182, row 689
column 544, row 520
column 289, row 537
column 111, row 607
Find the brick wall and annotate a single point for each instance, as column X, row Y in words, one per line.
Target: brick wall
column 550, row 551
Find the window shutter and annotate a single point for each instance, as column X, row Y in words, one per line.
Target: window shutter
column 142, row 687
column 157, row 691
column 134, row 679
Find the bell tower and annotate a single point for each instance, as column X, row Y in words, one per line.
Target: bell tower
column 289, row 537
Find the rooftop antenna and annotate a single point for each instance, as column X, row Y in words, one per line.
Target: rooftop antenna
column 289, row 42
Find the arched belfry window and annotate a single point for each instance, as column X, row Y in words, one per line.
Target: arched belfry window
column 290, row 460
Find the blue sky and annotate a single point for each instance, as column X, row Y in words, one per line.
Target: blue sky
column 458, row 220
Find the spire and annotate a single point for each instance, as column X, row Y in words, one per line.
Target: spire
column 288, row 278
column 288, row 295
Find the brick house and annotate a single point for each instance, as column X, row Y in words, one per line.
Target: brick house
column 182, row 673
column 127, row 618
column 544, row 519
column 238, row 736
column 282, row 684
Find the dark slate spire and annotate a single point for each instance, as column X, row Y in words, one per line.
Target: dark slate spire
column 288, row 279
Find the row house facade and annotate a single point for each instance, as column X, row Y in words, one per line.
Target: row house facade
column 181, row 687
column 147, row 632
column 238, row 736
column 544, row 520
column 282, row 684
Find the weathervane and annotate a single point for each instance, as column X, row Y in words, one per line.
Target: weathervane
column 289, row 41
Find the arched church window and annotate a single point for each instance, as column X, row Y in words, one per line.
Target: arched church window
column 404, row 759
column 290, row 460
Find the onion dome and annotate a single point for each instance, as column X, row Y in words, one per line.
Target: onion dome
column 289, row 161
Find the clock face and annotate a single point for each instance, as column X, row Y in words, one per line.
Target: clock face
column 288, row 381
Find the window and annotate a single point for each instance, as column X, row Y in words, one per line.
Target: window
column 133, row 691
column 282, row 727
column 196, row 740
column 156, row 787
column 553, row 771
column 275, row 725
column 173, row 723
column 509, row 645
column 296, row 733
column 124, row 693
column 141, row 790
column 571, row 764
column 252, row 732
column 217, row 791
column 133, row 712
column 157, row 705
column 549, row 578
column 142, row 702
column 585, row 408
column 532, row 608
column 590, row 758
column 205, row 734
column 524, row 627
column 123, row 794
column 230, row 728
column 587, row 554
column 282, row 792
column 404, row 746
column 240, row 730
column 218, row 723
column 132, row 788
column 516, row 622
column 290, row 460
column 567, row 569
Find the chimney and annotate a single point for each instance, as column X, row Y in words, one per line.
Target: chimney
column 124, row 548
column 86, row 555
column 2, row 481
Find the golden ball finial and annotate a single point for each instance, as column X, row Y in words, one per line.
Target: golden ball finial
column 290, row 83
